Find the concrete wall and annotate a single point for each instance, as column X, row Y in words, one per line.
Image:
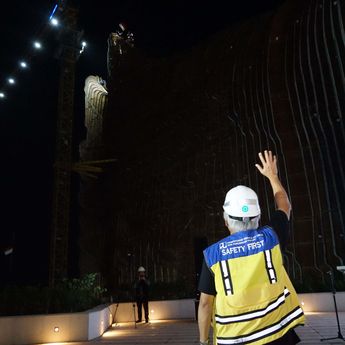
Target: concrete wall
column 322, row 301
column 31, row 329
column 99, row 320
column 158, row 310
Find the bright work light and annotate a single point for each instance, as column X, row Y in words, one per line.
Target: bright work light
column 54, row 21
column 37, row 45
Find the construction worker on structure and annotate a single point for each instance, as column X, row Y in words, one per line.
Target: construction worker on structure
column 244, row 287
column 142, row 294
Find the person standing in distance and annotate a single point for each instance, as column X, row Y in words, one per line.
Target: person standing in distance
column 244, row 287
column 142, row 294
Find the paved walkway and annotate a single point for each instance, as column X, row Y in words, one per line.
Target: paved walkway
column 185, row 332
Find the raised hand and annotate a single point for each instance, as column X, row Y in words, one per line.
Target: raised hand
column 270, row 170
column 269, row 164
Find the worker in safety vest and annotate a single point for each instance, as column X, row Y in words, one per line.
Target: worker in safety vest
column 245, row 290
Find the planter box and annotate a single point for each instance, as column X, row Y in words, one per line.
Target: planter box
column 33, row 329
column 52, row 328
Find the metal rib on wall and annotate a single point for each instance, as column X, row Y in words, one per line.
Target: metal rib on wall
column 331, row 148
column 322, row 106
column 293, row 69
column 186, row 128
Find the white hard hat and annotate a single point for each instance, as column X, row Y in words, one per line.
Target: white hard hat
column 141, row 269
column 241, row 202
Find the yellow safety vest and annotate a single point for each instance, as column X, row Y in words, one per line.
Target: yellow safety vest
column 256, row 302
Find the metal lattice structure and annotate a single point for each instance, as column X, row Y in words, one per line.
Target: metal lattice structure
column 68, row 55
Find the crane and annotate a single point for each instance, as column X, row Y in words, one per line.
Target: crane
column 67, row 54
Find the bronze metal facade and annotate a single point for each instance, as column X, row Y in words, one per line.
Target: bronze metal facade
column 188, row 127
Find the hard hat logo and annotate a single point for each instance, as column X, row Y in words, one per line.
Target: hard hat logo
column 245, row 208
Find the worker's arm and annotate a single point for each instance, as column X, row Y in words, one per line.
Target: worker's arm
column 204, row 316
column 270, row 170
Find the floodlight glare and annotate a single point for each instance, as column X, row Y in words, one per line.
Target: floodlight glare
column 2, row 95
column 11, row 81
column 83, row 44
column 37, row 45
column 23, row 64
column 54, row 21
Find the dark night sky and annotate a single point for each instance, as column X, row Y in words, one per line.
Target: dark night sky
column 28, row 115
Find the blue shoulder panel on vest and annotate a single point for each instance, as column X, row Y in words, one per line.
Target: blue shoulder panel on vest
column 243, row 243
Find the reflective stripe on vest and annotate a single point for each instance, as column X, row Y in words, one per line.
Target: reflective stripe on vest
column 270, row 268
column 224, row 266
column 263, row 333
column 253, row 315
